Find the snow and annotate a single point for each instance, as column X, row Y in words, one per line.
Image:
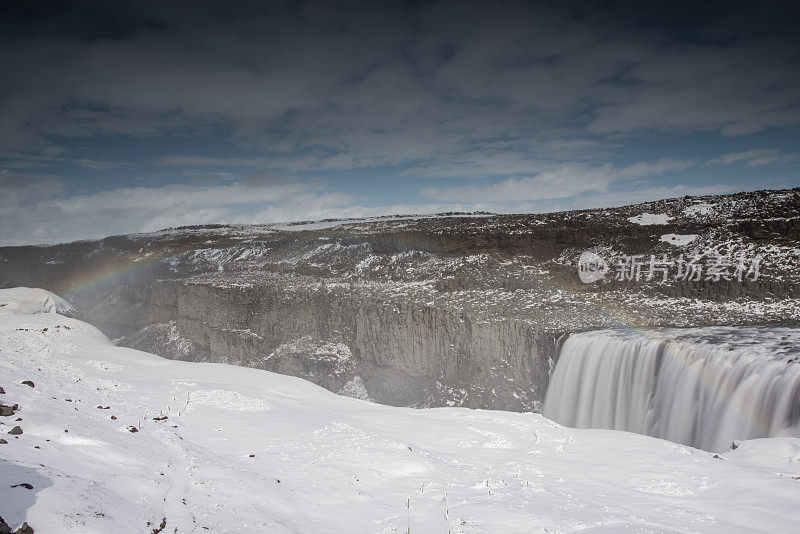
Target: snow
column 31, row 300
column 322, row 225
column 698, row 209
column 224, row 399
column 326, row 225
column 244, row 450
column 336, row 354
column 678, row 240
column 355, row 388
column 650, row 218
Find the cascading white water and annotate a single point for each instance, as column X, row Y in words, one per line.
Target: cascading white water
column 680, row 385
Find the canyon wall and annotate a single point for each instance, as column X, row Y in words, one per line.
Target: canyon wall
column 453, row 309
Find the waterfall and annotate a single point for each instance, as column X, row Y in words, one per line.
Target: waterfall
column 688, row 389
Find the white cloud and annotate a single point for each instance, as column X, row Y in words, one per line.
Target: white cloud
column 562, row 181
column 624, row 198
column 175, row 197
column 568, row 180
column 754, row 158
column 19, row 191
column 649, row 168
column 36, row 210
column 206, row 161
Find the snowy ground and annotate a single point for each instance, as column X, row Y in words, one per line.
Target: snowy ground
column 243, row 450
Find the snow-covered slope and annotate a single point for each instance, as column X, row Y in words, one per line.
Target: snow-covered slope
column 33, row 300
column 219, row 448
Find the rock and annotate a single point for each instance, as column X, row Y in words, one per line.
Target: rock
column 16, row 431
column 25, row 528
column 132, row 429
column 160, row 527
column 28, row 383
column 162, row 418
column 7, row 411
column 2, row 391
column 113, row 417
column 23, row 485
column 4, row 528
column 3, row 442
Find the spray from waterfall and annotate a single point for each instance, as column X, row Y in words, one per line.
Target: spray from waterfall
column 690, row 392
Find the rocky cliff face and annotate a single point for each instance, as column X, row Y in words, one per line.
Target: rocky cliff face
column 425, row 311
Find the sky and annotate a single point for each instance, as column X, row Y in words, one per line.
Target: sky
column 120, row 117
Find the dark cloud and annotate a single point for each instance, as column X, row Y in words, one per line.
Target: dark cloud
column 419, row 78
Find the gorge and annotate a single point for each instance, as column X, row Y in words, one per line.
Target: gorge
column 445, row 310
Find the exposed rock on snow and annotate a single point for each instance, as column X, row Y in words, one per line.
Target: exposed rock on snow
column 678, row 240
column 698, row 210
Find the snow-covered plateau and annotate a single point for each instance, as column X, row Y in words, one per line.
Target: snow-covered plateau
column 118, row 440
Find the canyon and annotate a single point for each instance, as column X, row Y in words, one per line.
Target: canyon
column 454, row 309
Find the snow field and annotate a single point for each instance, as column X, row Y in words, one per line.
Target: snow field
column 243, row 450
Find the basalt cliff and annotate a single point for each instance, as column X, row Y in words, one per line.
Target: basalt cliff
column 450, row 309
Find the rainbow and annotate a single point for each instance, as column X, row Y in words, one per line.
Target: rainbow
column 105, row 275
